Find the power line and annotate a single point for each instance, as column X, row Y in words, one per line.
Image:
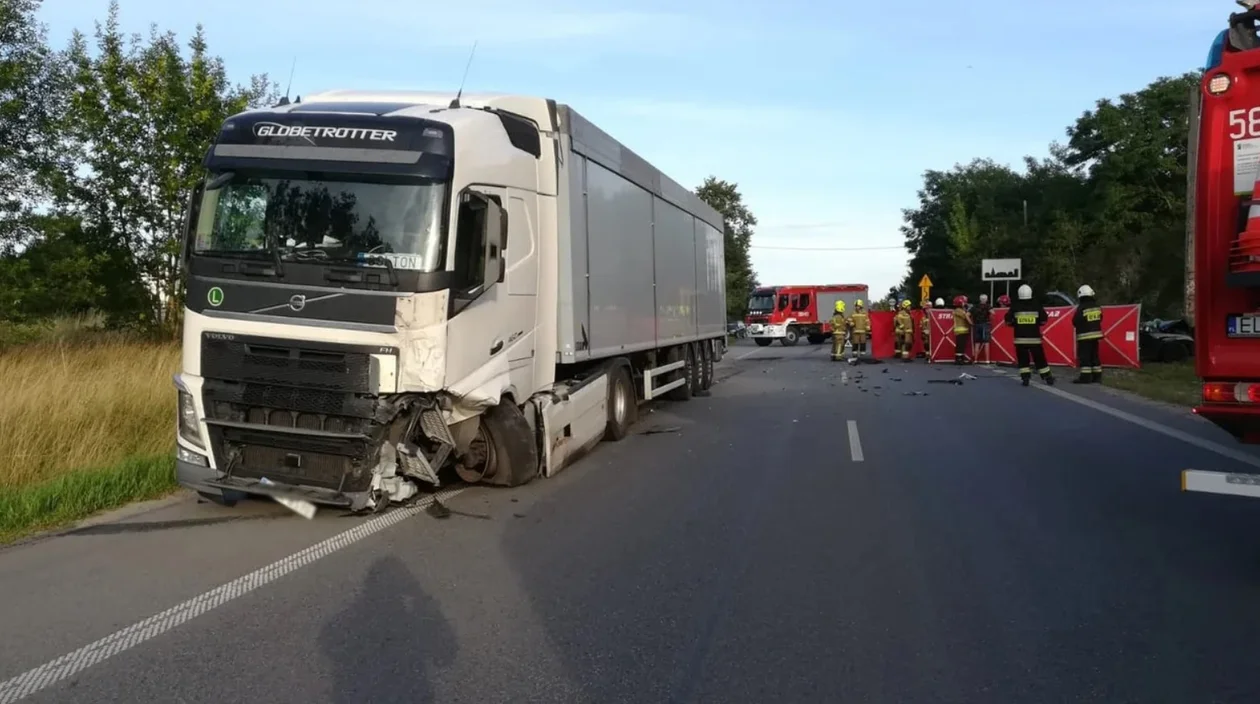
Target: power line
column 826, row 249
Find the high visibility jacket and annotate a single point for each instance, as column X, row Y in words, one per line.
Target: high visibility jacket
column 925, row 323
column 1088, row 320
column 861, row 323
column 839, row 323
column 1025, row 319
column 961, row 327
column 903, row 323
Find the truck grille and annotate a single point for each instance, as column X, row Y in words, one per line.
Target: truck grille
column 285, row 363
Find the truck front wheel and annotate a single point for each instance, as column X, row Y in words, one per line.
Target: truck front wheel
column 791, row 337
column 763, row 341
column 503, row 453
column 623, row 406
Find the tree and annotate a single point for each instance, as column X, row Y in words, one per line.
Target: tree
column 139, row 120
column 1107, row 208
column 32, row 94
column 741, row 279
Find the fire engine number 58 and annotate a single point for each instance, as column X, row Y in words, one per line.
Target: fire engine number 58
column 1244, row 122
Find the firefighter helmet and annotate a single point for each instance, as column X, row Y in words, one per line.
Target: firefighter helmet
column 1004, row 301
column 857, row 303
column 839, row 306
column 940, row 303
column 1085, row 291
column 960, row 301
column 1025, row 293
column 906, row 304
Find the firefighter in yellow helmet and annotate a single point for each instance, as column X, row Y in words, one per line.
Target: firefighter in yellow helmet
column 903, row 329
column 839, row 330
column 860, row 323
column 925, row 329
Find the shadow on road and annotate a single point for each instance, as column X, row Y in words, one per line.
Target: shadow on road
column 390, row 642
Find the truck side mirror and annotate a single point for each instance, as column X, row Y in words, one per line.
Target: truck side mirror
column 191, row 215
column 496, row 241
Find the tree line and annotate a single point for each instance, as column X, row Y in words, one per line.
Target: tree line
column 1106, row 208
column 102, row 140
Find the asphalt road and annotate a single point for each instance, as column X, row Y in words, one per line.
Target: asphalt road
column 808, row 533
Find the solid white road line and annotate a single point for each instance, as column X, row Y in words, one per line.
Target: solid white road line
column 71, row 664
column 1222, row 450
column 748, row 354
column 855, row 442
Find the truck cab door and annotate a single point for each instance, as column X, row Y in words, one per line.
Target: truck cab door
column 484, row 319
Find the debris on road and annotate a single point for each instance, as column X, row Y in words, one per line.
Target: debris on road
column 437, row 509
column 659, row 430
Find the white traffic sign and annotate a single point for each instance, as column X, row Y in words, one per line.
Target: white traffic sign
column 1000, row 270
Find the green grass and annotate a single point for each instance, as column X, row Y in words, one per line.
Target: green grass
column 1173, row 383
column 75, row 495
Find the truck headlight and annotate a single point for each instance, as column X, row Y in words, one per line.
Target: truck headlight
column 189, row 423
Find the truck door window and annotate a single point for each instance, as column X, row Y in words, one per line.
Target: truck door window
column 783, row 302
column 470, row 244
column 803, row 303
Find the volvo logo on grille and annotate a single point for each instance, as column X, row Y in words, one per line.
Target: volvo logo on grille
column 297, row 302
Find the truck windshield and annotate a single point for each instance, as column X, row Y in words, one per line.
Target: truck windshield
column 761, row 303
column 334, row 216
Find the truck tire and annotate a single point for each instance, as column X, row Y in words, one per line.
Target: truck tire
column 816, row 339
column 507, row 443
column 719, row 349
column 682, row 393
column 623, row 406
column 791, row 337
column 762, row 341
column 697, row 367
column 706, row 365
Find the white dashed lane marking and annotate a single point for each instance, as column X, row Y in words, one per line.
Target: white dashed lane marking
column 71, row 664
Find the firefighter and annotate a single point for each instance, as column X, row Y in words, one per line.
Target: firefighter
column 1089, row 333
column 903, row 329
column 925, row 329
column 1025, row 318
column 1004, row 301
column 839, row 328
column 860, row 325
column 962, row 329
column 982, row 315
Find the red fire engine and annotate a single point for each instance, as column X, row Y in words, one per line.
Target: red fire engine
column 786, row 313
column 1226, row 231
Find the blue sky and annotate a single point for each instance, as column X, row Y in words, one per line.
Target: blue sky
column 825, row 113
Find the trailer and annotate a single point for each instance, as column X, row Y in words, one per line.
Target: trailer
column 389, row 290
column 788, row 313
column 1225, row 233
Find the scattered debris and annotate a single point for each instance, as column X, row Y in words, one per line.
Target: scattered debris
column 659, row 430
column 967, row 376
column 437, row 509
column 894, row 378
column 955, row 382
column 916, row 393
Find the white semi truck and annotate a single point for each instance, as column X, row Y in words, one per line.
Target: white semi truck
column 385, row 286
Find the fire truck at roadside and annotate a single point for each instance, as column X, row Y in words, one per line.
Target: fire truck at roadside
column 788, row 313
column 1226, row 236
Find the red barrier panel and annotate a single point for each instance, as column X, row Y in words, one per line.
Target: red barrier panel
column 882, row 345
column 1058, row 337
column 1119, row 347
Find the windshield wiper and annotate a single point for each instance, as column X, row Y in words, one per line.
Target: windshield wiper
column 354, row 260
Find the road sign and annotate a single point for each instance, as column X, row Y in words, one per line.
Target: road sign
column 1000, row 270
column 925, row 288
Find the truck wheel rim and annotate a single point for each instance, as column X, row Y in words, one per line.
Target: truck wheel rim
column 619, row 404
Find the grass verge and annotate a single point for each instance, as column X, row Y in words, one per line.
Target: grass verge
column 75, row 495
column 1173, row 383
column 86, row 422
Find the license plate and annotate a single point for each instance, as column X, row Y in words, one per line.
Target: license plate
column 1242, row 325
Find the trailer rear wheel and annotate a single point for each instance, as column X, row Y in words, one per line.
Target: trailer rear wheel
column 503, row 452
column 623, row 408
column 706, row 365
column 696, row 378
column 763, row 341
column 683, row 392
column 791, row 337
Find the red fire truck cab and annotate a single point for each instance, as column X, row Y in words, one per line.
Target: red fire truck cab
column 1227, row 246
column 787, row 313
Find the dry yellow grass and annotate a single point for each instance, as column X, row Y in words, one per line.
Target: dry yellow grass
column 74, row 405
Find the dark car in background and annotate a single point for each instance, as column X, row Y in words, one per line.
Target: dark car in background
column 1165, row 340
